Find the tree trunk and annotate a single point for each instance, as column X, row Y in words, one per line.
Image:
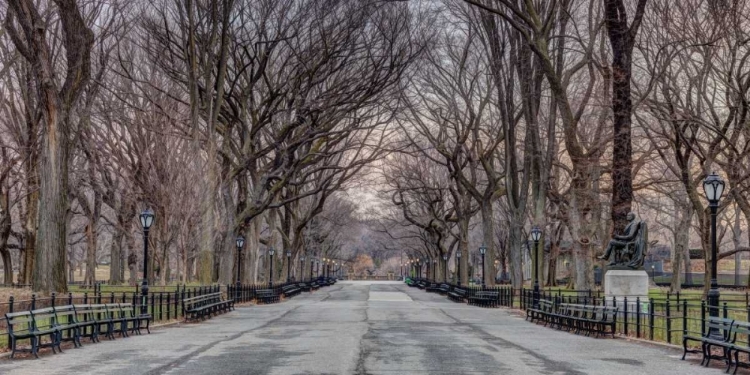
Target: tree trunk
column 115, row 258
column 621, row 38
column 90, row 277
column 56, row 106
column 515, row 249
column 463, row 247
column 488, row 232
column 681, row 241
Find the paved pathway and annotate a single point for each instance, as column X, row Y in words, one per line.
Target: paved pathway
column 362, row 328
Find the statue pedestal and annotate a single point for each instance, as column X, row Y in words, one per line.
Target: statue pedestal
column 620, row 285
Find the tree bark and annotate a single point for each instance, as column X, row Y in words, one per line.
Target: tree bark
column 621, row 38
column 56, row 106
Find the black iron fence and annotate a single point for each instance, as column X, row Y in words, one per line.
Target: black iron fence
column 666, row 317
column 163, row 304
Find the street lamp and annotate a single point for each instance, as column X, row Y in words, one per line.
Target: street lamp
column 653, row 271
column 482, row 250
column 713, row 186
column 445, row 269
column 458, row 259
column 288, row 265
column 536, row 234
column 270, row 258
column 147, row 219
column 240, row 242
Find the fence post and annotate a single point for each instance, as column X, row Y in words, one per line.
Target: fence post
column 33, row 301
column 725, row 310
column 70, row 298
column 684, row 318
column 169, row 304
column 678, row 301
column 10, row 310
column 651, row 318
column 703, row 317
column 638, row 317
column 52, row 298
column 669, row 322
column 161, row 307
column 625, row 309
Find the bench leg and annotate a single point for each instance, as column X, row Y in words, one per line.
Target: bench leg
column 35, row 346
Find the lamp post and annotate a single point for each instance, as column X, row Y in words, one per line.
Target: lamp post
column 147, row 219
column 482, row 250
column 240, row 242
column 445, row 268
column 270, row 274
column 458, row 260
column 713, row 186
column 653, row 270
column 288, row 265
column 317, row 268
column 536, row 233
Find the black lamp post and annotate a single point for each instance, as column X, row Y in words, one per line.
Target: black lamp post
column 240, row 242
column 713, row 186
column 482, row 250
column 536, row 233
column 458, row 260
column 445, row 268
column 653, row 272
column 147, row 219
column 270, row 259
column 288, row 265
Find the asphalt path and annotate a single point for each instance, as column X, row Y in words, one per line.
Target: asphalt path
column 362, row 328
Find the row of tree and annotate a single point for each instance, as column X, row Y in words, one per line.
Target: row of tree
column 567, row 115
column 227, row 118
column 473, row 120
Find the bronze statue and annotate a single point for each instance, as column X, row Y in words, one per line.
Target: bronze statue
column 629, row 248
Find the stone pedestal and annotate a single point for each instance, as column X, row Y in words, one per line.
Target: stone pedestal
column 630, row 284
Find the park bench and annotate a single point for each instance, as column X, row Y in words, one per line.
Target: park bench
column 444, row 289
column 205, row 305
column 66, row 322
column 304, row 287
column 421, row 284
column 87, row 323
column 738, row 328
column 724, row 340
column 411, row 283
column 432, row 287
column 120, row 320
column 129, row 309
column 290, row 290
column 588, row 319
column 314, row 285
column 266, row 296
column 485, row 298
column 33, row 326
column 457, row 295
